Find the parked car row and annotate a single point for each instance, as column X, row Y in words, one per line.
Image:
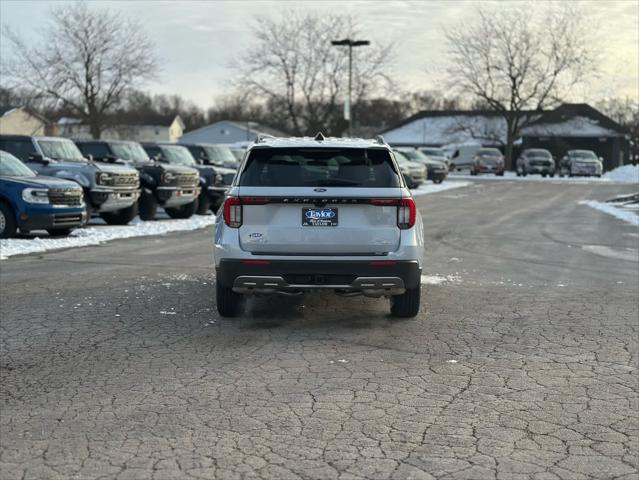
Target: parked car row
column 417, row 167
column 116, row 180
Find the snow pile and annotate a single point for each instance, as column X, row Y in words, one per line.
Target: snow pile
column 611, row 209
column 626, row 174
column 426, row 188
column 100, row 234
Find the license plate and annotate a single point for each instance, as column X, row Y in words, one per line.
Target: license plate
column 319, row 217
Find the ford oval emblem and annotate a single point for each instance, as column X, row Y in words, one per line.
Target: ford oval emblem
column 319, row 189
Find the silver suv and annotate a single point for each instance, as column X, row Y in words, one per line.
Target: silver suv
column 317, row 213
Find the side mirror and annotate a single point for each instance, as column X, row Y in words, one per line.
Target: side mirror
column 89, row 157
column 601, row 159
column 36, row 157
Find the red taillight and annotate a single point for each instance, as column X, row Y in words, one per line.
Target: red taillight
column 233, row 212
column 382, row 264
column 255, row 200
column 406, row 209
column 406, row 213
column 386, row 202
column 255, row 262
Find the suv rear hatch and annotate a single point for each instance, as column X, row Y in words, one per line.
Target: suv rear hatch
column 318, row 201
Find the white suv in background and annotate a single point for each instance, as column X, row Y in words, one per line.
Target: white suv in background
column 319, row 213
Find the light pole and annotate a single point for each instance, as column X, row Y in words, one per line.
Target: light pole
column 350, row 44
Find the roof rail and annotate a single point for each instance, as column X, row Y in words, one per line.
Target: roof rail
column 262, row 137
column 379, row 139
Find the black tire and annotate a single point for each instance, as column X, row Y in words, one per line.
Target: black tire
column 500, row 174
column 407, row 304
column 228, row 302
column 147, row 206
column 438, row 180
column 8, row 225
column 452, row 167
column 473, row 172
column 121, row 217
column 543, row 175
column 215, row 206
column 203, row 204
column 552, row 175
column 59, row 232
column 185, row 211
column 523, row 171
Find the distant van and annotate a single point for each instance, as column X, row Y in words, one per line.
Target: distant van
column 461, row 155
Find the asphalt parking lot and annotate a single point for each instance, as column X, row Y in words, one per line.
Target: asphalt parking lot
column 521, row 365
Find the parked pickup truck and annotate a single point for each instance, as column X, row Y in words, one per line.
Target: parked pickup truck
column 30, row 202
column 169, row 186
column 110, row 191
column 212, row 189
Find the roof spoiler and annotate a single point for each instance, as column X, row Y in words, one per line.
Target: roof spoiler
column 379, row 139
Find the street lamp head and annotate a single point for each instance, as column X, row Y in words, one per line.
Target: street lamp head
column 350, row 43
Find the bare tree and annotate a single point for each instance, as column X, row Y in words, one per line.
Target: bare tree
column 519, row 60
column 625, row 111
column 85, row 62
column 292, row 66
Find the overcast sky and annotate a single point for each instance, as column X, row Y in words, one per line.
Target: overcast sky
column 196, row 40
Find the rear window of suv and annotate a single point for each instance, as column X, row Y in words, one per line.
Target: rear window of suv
column 317, row 167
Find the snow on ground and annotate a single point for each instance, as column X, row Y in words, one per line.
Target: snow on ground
column 438, row 279
column 624, row 174
column 611, row 209
column 95, row 235
column 426, row 188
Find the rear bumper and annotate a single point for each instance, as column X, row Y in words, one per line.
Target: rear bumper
column 245, row 276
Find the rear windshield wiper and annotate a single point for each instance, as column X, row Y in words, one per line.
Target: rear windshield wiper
column 334, row 181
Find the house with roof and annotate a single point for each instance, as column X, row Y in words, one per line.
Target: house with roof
column 16, row 120
column 228, row 131
column 573, row 126
column 567, row 127
column 139, row 127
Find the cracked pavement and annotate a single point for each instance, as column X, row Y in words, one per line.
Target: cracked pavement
column 522, row 365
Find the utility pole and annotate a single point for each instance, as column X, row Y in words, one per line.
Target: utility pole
column 350, row 44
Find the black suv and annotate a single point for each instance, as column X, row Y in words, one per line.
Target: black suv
column 173, row 187
column 211, row 178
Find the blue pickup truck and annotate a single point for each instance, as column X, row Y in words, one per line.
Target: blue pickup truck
column 31, row 202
